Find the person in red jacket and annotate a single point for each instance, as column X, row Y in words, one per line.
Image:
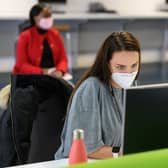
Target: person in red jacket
column 40, row 49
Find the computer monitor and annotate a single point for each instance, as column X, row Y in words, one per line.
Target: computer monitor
column 56, row 5
column 145, row 125
column 52, row 1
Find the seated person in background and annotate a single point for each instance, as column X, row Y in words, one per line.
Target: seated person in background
column 96, row 103
column 40, row 49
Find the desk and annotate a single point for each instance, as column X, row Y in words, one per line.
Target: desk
column 151, row 159
column 49, row 164
column 90, row 16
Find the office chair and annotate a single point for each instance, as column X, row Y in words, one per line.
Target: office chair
column 23, row 26
column 38, row 110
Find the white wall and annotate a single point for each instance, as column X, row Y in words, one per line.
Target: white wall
column 9, row 7
column 77, row 5
column 133, row 6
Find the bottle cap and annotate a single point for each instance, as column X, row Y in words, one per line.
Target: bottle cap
column 78, row 134
column 115, row 155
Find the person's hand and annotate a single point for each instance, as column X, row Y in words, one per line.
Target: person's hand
column 57, row 74
column 48, row 71
column 52, row 72
column 45, row 71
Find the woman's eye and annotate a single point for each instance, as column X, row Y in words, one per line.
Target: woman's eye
column 134, row 65
column 120, row 67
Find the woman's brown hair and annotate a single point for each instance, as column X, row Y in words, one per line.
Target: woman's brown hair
column 117, row 41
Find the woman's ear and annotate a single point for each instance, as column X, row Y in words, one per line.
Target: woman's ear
column 110, row 66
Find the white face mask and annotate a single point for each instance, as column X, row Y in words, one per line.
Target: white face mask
column 124, row 80
column 46, row 23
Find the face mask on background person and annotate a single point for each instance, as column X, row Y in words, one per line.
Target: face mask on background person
column 46, row 23
column 124, row 80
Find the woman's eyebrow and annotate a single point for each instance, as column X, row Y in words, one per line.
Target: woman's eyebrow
column 120, row 64
column 135, row 63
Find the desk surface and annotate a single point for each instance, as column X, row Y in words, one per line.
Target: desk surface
column 49, row 164
column 89, row 16
column 151, row 159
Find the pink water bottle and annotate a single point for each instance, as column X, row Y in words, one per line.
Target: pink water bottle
column 78, row 153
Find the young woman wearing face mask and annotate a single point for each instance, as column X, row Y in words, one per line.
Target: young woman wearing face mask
column 40, row 49
column 96, row 102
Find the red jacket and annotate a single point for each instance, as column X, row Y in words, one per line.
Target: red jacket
column 29, row 51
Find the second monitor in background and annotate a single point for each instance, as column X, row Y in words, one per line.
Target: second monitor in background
column 57, row 6
column 99, row 7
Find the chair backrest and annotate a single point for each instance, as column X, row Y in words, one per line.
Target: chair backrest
column 45, row 126
column 24, row 26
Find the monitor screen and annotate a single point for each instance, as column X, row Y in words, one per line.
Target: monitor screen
column 145, row 118
column 56, row 6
